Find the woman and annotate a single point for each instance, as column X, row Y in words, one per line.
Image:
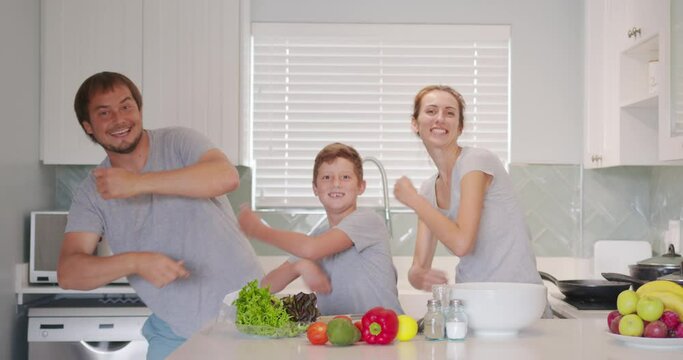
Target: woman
column 469, row 205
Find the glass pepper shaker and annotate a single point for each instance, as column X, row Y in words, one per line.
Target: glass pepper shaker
column 456, row 320
column 434, row 321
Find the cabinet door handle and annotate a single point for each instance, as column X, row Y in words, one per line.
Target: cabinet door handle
column 596, row 158
column 634, row 32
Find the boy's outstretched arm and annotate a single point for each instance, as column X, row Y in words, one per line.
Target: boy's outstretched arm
column 298, row 244
column 313, row 276
column 280, row 277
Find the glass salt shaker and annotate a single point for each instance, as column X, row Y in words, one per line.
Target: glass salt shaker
column 434, row 321
column 456, row 320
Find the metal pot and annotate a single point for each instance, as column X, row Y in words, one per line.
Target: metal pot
column 656, row 267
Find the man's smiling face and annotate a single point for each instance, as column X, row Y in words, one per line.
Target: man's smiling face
column 115, row 120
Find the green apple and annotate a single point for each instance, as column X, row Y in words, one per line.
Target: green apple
column 650, row 308
column 627, row 302
column 631, row 325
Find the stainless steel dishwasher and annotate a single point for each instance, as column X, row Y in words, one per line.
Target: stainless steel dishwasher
column 75, row 328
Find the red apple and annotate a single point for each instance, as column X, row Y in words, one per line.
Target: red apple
column 679, row 330
column 614, row 325
column 670, row 319
column 656, row 329
column 611, row 316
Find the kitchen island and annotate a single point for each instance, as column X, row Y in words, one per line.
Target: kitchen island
column 554, row 339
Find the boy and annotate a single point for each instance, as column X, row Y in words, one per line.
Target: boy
column 349, row 264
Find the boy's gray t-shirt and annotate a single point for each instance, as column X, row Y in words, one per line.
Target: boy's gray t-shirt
column 503, row 249
column 202, row 232
column 364, row 275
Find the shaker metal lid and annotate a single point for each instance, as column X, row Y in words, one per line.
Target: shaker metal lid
column 670, row 258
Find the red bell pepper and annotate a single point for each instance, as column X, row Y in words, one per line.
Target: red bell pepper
column 380, row 326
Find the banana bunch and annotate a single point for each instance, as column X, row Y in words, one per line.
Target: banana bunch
column 670, row 293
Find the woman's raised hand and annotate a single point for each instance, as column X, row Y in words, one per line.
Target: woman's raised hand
column 405, row 191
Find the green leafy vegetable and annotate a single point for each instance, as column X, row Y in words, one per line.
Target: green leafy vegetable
column 258, row 307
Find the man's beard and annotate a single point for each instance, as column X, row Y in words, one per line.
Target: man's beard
column 123, row 148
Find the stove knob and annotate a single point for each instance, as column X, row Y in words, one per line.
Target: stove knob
column 44, row 333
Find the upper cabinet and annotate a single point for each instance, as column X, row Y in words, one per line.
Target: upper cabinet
column 78, row 39
column 596, row 143
column 671, row 129
column 627, row 87
column 184, row 56
column 191, row 68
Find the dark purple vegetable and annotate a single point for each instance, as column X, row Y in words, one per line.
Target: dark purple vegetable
column 301, row 307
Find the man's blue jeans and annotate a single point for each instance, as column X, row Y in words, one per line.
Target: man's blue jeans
column 161, row 339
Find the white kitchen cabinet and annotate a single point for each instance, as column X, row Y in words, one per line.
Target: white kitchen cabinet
column 624, row 113
column 78, row 39
column 183, row 55
column 596, row 143
column 671, row 127
column 191, row 68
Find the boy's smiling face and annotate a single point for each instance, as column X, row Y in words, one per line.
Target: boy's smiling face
column 337, row 186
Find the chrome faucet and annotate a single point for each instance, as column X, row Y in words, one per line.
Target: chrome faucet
column 385, row 190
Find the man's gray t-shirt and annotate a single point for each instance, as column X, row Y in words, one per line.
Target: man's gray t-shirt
column 202, row 232
column 364, row 275
column 503, row 249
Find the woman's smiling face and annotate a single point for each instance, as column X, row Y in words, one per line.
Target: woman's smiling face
column 438, row 122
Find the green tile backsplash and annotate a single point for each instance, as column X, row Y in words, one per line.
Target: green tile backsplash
column 567, row 208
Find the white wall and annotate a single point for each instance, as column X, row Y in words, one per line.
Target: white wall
column 547, row 57
column 25, row 185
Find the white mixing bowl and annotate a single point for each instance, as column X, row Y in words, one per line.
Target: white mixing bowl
column 501, row 309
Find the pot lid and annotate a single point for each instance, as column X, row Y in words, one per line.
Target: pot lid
column 670, row 258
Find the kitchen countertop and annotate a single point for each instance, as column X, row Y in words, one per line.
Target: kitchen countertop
column 555, row 339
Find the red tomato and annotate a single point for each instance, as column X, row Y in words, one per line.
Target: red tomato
column 317, row 333
column 359, row 325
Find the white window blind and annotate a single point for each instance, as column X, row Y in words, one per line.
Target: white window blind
column 314, row 84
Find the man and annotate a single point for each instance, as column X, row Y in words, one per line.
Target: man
column 158, row 198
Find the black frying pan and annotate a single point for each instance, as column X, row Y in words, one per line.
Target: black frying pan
column 593, row 290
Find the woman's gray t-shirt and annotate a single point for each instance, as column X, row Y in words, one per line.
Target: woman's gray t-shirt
column 202, row 232
column 503, row 249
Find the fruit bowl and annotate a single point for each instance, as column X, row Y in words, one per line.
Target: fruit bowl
column 644, row 342
column 501, row 309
